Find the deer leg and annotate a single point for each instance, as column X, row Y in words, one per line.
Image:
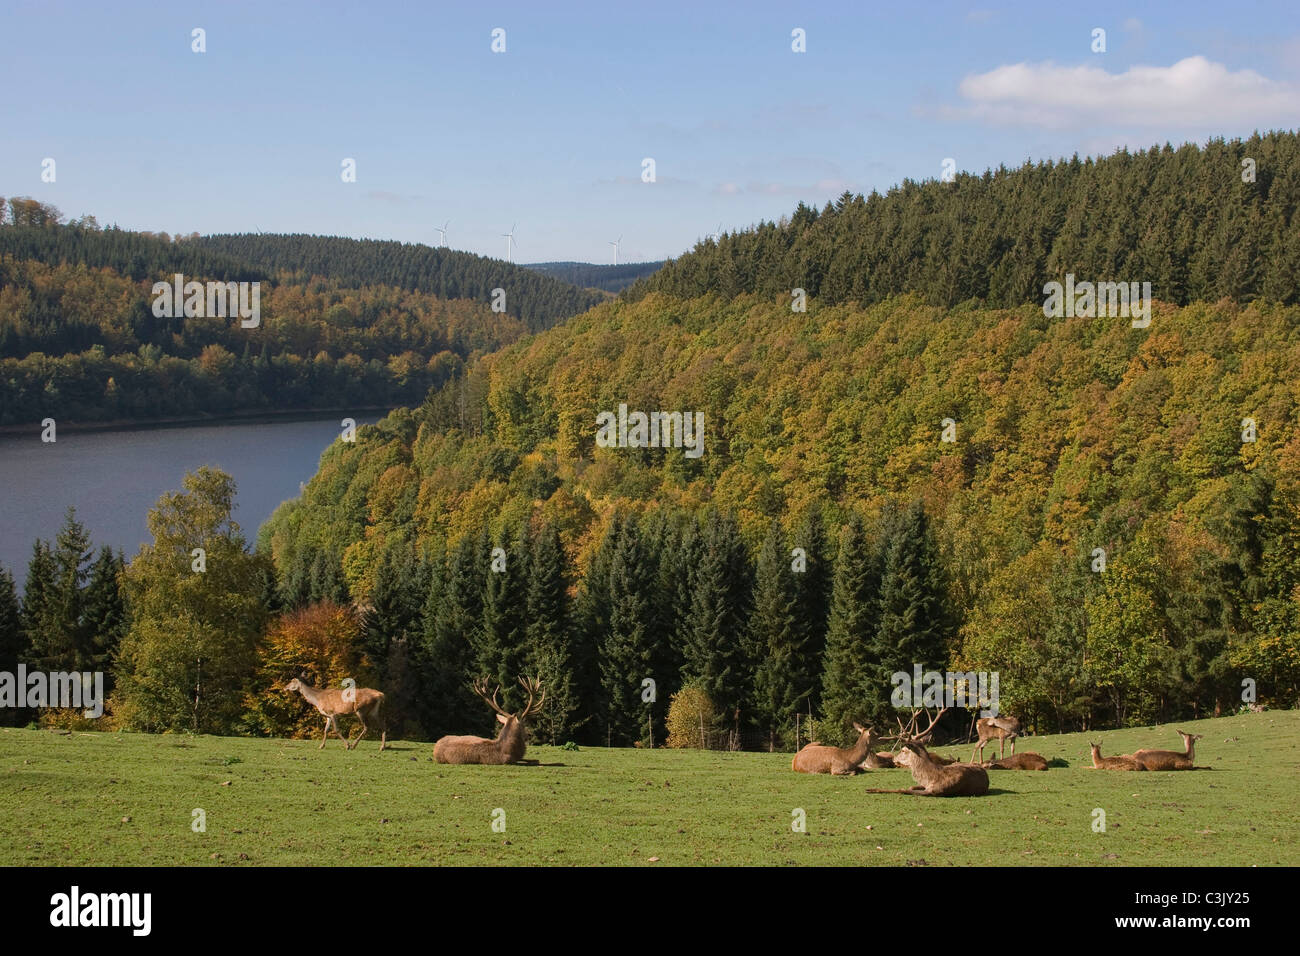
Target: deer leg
column 364, row 728
column 342, row 736
column 327, row 734
column 1013, row 746
column 1002, row 747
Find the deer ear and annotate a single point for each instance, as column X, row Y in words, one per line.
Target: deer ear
column 501, row 718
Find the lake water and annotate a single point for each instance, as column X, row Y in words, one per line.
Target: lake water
column 113, row 478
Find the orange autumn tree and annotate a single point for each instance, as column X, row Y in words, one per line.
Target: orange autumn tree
column 320, row 644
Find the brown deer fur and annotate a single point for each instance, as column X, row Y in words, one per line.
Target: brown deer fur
column 954, row 780
column 1000, row 729
column 334, row 702
column 1123, row 762
column 1170, row 759
column 1024, row 761
column 819, row 758
column 511, row 740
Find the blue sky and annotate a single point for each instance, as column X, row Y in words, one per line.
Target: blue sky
column 551, row 134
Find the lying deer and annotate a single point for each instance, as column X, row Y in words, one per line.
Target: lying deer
column 955, row 780
column 885, row 758
column 335, row 702
column 819, row 758
column 1169, row 759
column 1000, row 729
column 1124, row 762
column 1025, row 761
column 508, row 747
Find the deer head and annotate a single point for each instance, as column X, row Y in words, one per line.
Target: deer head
column 511, row 722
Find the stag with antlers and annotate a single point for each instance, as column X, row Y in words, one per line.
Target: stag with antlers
column 508, row 747
column 933, row 780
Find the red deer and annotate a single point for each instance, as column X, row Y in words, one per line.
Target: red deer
column 1170, row 759
column 955, row 780
column 887, row 759
column 335, row 702
column 1000, row 729
column 819, row 758
column 508, row 747
column 1123, row 762
column 1024, row 761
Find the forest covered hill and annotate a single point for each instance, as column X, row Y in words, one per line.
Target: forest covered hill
column 607, row 278
column 344, row 323
column 1197, row 222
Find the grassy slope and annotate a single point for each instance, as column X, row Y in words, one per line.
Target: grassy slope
column 63, row 800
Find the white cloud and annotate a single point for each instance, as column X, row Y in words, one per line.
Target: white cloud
column 1192, row 92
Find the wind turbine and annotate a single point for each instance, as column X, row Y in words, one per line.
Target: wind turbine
column 715, row 236
column 443, row 230
column 509, row 237
column 615, row 243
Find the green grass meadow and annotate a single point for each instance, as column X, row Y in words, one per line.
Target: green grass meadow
column 128, row 799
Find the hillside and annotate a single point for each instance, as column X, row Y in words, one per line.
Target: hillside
column 539, row 300
column 1070, row 435
column 587, row 275
column 343, row 323
column 1193, row 221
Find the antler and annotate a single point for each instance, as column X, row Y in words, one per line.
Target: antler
column 480, row 688
column 533, row 685
column 907, row 734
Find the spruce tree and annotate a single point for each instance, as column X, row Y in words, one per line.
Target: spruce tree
column 12, row 639
column 783, row 679
column 105, row 611
column 548, row 634
column 716, row 636
column 499, row 652
column 914, row 626
column 853, row 623
column 813, row 587
column 628, row 649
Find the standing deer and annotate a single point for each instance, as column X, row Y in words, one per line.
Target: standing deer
column 1000, row 729
column 1124, row 762
column 955, row 780
column 1170, row 759
column 334, row 702
column 508, row 747
column 819, row 758
column 1024, row 761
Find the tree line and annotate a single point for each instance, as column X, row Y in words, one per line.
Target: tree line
column 1199, row 223
column 810, row 626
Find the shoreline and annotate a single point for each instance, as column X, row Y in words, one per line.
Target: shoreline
column 230, row 418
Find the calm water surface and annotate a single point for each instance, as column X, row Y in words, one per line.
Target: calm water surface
column 114, row 478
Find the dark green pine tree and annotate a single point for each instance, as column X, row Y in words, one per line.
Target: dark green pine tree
column 591, row 624
column 548, row 634
column 392, row 625
column 499, row 653
column 717, row 635
column 105, row 612
column 914, row 626
column 12, row 639
column 38, row 598
column 326, row 579
column 628, row 650
column 783, row 678
column 813, row 588
column 854, row 618
column 452, row 616
column 65, row 644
